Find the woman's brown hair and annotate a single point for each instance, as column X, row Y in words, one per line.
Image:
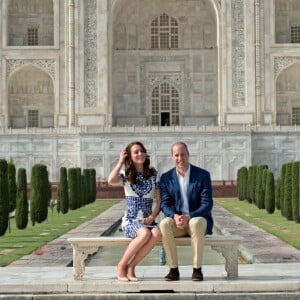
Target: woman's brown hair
column 130, row 170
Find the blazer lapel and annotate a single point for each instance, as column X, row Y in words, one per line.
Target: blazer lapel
column 176, row 188
column 191, row 184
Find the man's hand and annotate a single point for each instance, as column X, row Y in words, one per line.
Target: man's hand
column 181, row 220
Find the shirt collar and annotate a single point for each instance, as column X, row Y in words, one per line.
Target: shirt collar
column 187, row 173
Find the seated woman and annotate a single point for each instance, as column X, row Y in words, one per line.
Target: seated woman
column 141, row 187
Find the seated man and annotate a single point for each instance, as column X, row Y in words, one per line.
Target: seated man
column 186, row 201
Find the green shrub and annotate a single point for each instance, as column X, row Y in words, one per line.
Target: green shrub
column 250, row 184
column 295, row 191
column 12, row 186
column 39, row 196
column 255, row 175
column 22, row 201
column 86, row 186
column 299, row 195
column 277, row 193
column 242, row 177
column 84, row 190
column 62, row 193
column 72, row 189
column 239, row 184
column 259, row 189
column 282, row 190
column 4, row 204
column 244, row 183
column 80, row 201
column 288, row 186
column 93, row 185
column 264, row 180
column 269, row 192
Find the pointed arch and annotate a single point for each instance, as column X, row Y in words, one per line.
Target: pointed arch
column 30, row 98
column 129, row 69
column 288, row 96
column 164, row 105
column 164, row 32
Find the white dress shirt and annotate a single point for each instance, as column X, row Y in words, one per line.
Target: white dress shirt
column 183, row 183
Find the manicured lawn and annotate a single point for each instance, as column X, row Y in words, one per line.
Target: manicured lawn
column 17, row 243
column 287, row 231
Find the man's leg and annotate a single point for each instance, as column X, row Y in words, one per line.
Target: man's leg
column 169, row 231
column 197, row 230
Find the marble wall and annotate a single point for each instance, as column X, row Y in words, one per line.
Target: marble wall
column 221, row 151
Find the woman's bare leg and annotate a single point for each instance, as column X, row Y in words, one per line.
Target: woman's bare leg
column 143, row 251
column 143, row 236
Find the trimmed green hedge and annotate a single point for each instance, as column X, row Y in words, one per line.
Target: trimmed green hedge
column 39, row 198
column 22, row 200
column 4, row 204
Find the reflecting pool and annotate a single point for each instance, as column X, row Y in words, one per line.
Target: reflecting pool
column 109, row 256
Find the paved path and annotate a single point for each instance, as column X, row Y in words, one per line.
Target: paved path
column 258, row 246
column 274, row 267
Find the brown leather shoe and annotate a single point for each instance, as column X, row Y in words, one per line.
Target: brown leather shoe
column 197, row 275
column 173, row 275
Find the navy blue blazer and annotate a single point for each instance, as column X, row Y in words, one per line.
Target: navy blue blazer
column 199, row 195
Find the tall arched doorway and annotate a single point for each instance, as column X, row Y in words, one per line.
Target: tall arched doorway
column 165, row 105
column 30, row 99
column 159, row 40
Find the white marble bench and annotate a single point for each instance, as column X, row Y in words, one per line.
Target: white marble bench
column 83, row 247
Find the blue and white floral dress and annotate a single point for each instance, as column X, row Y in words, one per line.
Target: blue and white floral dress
column 139, row 198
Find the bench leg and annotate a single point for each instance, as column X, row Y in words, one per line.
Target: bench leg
column 80, row 254
column 231, row 259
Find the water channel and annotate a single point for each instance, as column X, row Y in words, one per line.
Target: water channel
column 109, row 256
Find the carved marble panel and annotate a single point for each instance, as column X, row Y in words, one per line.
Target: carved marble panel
column 282, row 62
column 96, row 162
column 21, row 162
column 92, row 145
column 235, row 144
column 66, row 162
column 90, row 53
column 217, row 144
column 263, row 143
column 42, row 146
column 238, row 52
column 47, row 65
column 282, row 159
column 213, row 163
column 235, row 162
column 288, row 143
column 265, row 158
column 44, row 160
column 67, row 146
column 22, row 146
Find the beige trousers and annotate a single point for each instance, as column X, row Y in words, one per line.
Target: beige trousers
column 196, row 229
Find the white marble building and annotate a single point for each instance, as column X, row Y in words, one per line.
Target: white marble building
column 79, row 79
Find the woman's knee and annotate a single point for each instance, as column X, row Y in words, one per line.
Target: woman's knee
column 156, row 234
column 144, row 233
